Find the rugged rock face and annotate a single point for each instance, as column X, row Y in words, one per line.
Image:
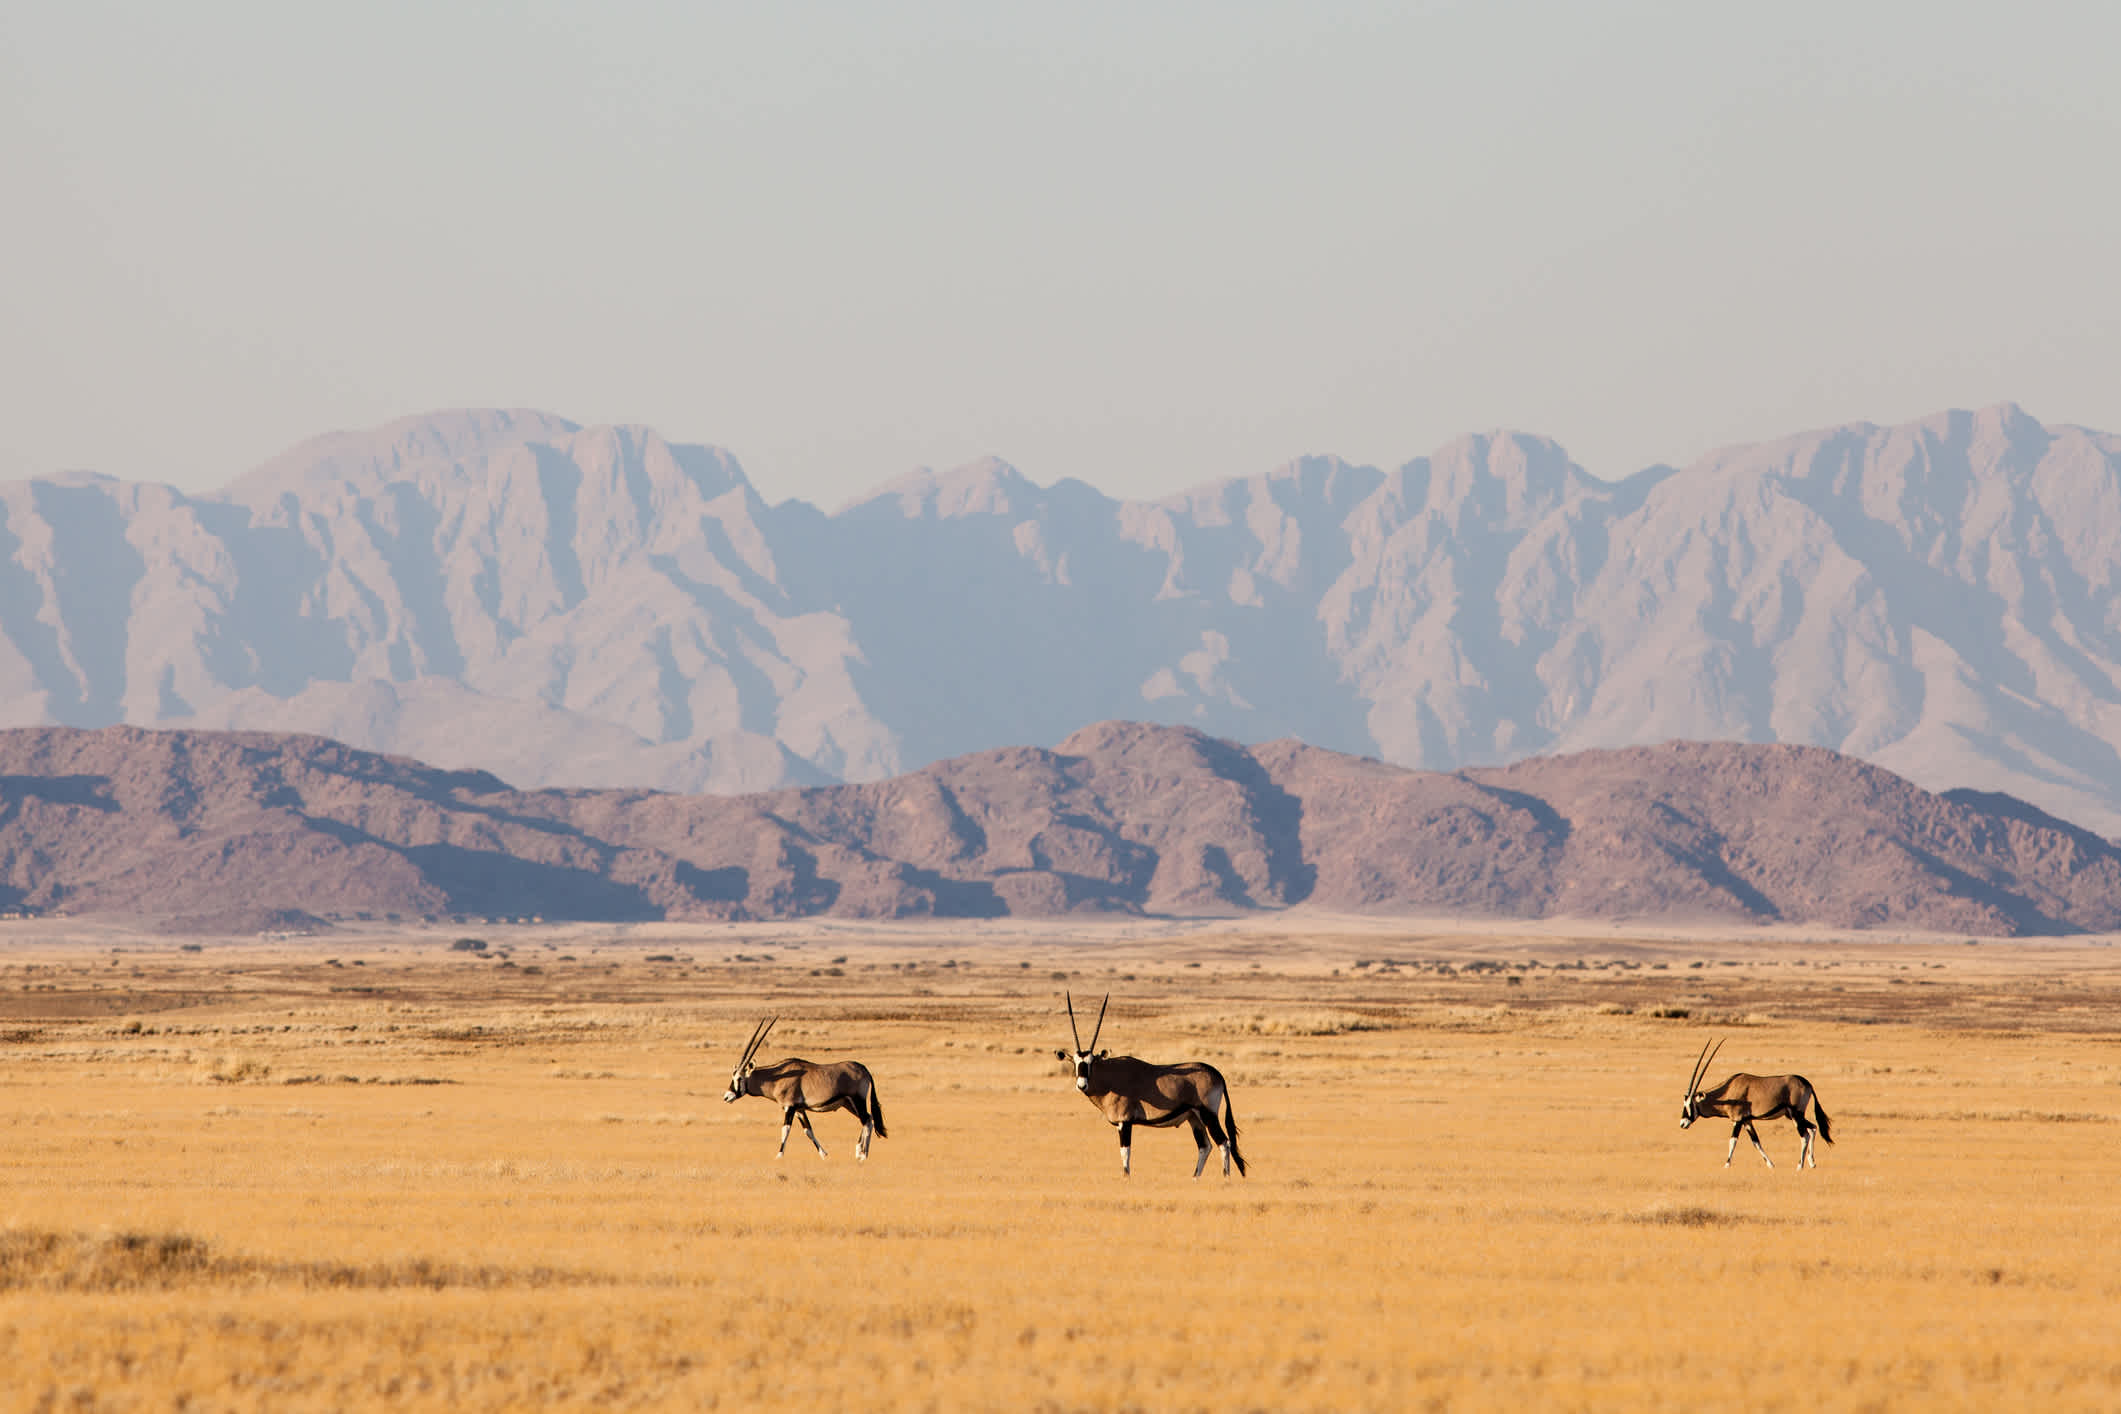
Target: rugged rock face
column 1123, row 816
column 561, row 605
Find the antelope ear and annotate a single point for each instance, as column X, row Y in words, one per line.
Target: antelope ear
column 1060, row 1055
column 1101, row 1055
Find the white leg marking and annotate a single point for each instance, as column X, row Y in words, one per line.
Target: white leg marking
column 1126, row 1159
column 1727, row 1153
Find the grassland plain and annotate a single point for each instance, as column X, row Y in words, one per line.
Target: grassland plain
column 379, row 1171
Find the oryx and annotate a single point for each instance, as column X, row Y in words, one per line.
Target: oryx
column 800, row 1087
column 1744, row 1098
column 1128, row 1092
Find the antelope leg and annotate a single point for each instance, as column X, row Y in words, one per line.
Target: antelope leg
column 1218, row 1138
column 805, row 1118
column 1200, row 1140
column 1733, row 1148
column 1754, row 1135
column 1126, row 1149
column 787, row 1123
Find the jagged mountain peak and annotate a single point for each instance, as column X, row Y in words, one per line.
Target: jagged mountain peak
column 1514, row 473
column 368, row 458
column 476, row 451
column 1325, row 481
column 988, row 486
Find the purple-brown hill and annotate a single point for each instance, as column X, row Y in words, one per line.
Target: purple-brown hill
column 240, row 830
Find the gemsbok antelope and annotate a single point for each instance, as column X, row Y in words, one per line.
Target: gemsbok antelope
column 1128, row 1092
column 1744, row 1098
column 802, row 1088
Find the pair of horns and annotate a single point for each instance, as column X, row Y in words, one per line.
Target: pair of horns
column 758, row 1038
column 1095, row 1031
column 1702, row 1063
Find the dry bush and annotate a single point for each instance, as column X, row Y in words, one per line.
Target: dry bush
column 233, row 1070
column 1685, row 1215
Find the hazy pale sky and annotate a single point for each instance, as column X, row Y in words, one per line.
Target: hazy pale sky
column 1141, row 244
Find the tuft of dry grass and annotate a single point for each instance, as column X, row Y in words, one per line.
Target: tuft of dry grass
column 1297, row 1022
column 1665, row 1214
column 232, row 1070
column 125, row 1261
column 44, row 1260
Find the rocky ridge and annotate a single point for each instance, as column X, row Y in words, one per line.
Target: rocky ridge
column 224, row 829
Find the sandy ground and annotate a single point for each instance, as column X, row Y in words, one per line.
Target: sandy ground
column 380, row 1169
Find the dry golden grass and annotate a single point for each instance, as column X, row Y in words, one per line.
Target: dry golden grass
column 260, row 1177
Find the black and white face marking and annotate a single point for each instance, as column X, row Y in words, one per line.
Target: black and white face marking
column 1082, row 1056
column 1686, row 1112
column 736, row 1084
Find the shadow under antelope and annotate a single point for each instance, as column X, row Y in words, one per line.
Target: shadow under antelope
column 1744, row 1098
column 800, row 1087
column 1128, row 1092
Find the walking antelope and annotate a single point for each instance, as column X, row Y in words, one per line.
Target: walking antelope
column 1744, row 1098
column 801, row 1087
column 1128, row 1092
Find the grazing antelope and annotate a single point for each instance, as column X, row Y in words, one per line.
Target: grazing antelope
column 800, row 1087
column 1744, row 1098
column 1128, row 1092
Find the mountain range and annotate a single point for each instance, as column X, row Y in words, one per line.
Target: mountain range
column 235, row 831
column 509, row 592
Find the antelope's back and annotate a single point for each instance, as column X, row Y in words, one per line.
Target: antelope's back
column 825, row 1080
column 1185, row 1083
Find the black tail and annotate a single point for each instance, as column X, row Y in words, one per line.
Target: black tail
column 1230, row 1124
column 876, row 1112
column 1826, row 1130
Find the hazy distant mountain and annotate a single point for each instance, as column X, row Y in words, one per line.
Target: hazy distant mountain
column 594, row 606
column 234, row 831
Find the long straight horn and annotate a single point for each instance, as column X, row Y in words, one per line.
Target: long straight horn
column 1694, row 1077
column 1708, row 1061
column 770, row 1024
column 1071, row 1023
column 1099, row 1029
column 751, row 1047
